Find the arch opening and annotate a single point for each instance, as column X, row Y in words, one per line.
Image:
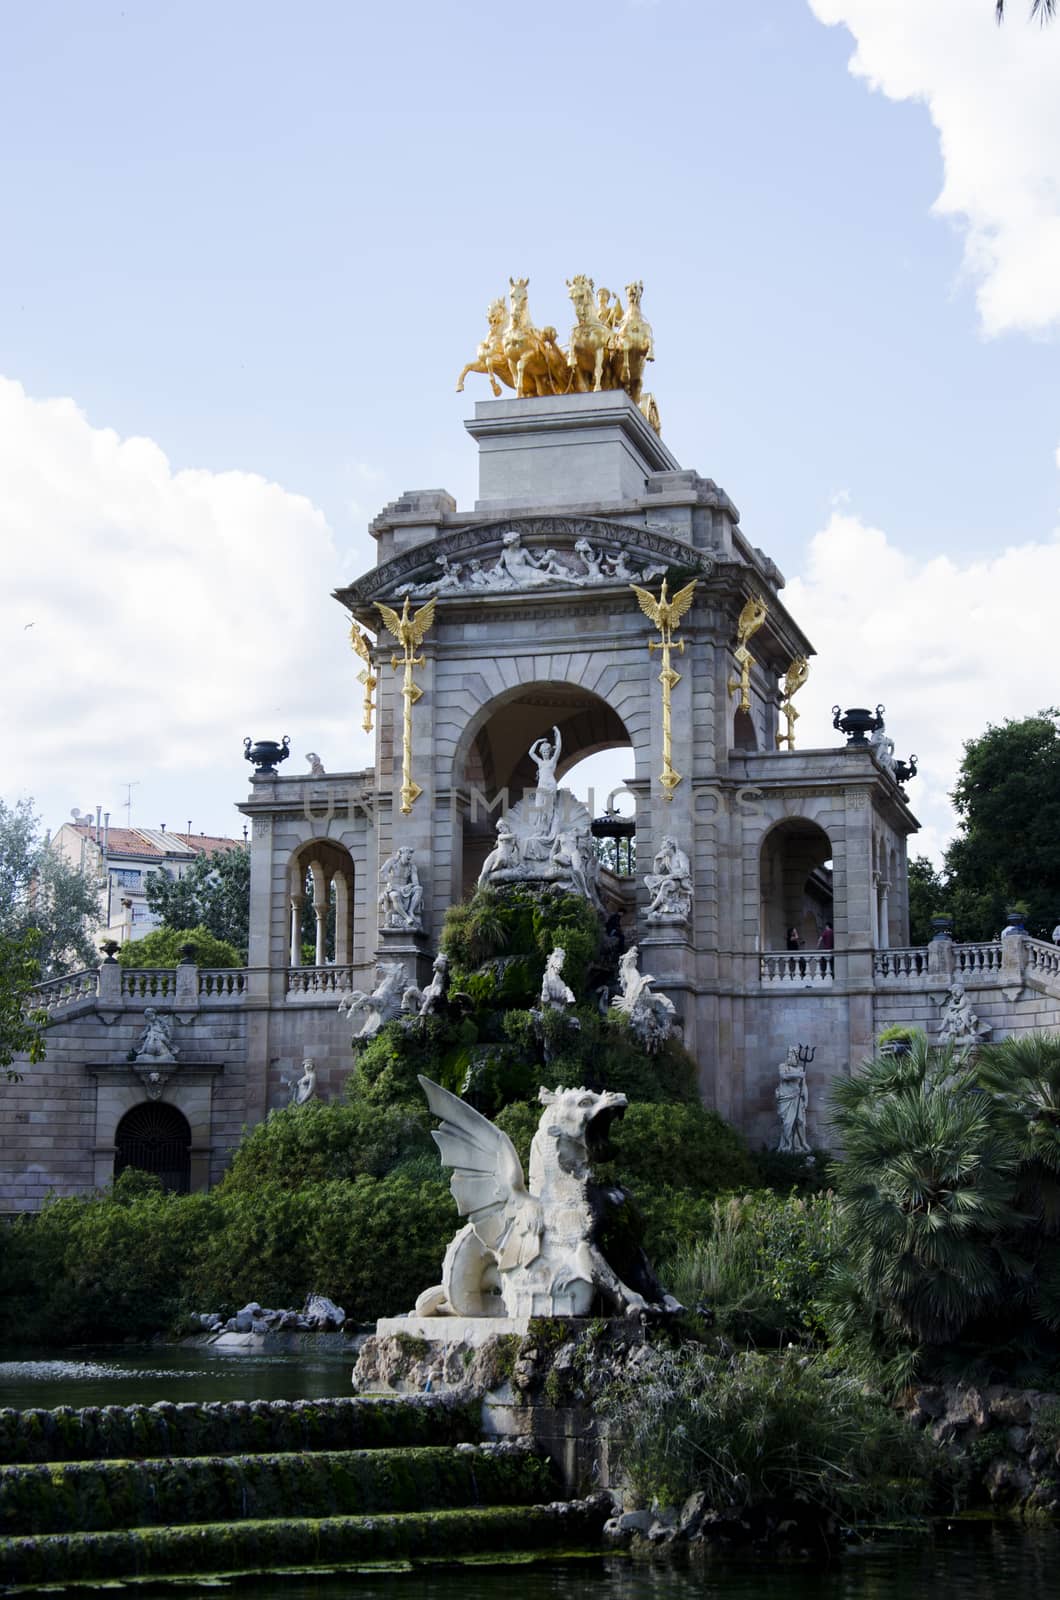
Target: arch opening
column 795, row 878
column 320, row 902
column 154, row 1137
column 496, row 770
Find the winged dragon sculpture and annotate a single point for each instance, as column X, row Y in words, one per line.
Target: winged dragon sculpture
column 532, row 1250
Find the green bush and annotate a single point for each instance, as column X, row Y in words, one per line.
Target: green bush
column 750, row 1429
column 324, row 1140
column 163, row 948
column 111, row 1266
column 759, row 1265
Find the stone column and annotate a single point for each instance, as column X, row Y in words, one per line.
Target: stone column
column 343, row 955
column 297, row 904
column 883, row 917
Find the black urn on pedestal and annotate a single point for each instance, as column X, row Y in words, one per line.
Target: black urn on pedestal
column 266, row 755
column 904, row 770
column 857, row 723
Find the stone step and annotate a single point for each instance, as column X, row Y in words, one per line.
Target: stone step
column 99, row 1496
column 298, row 1542
column 99, row 1433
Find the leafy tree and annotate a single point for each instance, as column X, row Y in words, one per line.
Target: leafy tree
column 1008, row 849
column 213, row 893
column 164, row 948
column 20, row 1029
column 39, row 891
column 927, row 898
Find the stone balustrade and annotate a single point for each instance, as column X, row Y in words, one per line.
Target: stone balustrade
column 148, row 983
column 898, row 966
column 1043, row 959
column 971, row 960
column 59, row 992
column 311, row 981
column 803, row 968
column 223, row 983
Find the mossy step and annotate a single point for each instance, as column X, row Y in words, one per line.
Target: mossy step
column 99, row 1433
column 96, row 1496
column 296, row 1542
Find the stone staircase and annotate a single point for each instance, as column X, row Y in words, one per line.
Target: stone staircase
column 184, row 1491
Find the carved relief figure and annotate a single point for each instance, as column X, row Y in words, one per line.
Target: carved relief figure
column 650, row 1015
column 156, row 1040
column 959, row 1025
column 669, row 884
column 382, row 1005
column 400, row 892
column 554, row 992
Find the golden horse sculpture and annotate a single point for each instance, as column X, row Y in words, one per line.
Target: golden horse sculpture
column 609, row 346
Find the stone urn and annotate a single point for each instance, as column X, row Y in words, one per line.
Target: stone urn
column 857, row 723
column 942, row 926
column 266, row 755
column 1015, row 923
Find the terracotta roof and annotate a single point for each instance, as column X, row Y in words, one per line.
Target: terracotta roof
column 153, row 843
column 206, row 843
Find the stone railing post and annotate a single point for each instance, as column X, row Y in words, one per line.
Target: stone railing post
column 109, row 989
column 186, row 984
column 941, row 958
column 1014, row 948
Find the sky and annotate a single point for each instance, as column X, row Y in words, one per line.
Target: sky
column 245, row 249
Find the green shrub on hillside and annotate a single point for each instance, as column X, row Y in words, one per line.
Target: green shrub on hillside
column 164, row 948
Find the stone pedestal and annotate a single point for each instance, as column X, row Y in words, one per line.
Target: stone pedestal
column 413, row 949
column 564, row 450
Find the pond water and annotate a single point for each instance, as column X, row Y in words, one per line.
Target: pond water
column 957, row 1561
column 135, row 1375
column 954, row 1561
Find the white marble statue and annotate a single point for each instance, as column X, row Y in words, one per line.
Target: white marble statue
column 316, row 766
column 546, row 837
column 669, row 884
column 304, row 1088
column 156, row 1041
column 528, row 1250
column 382, row 1005
column 792, row 1099
column 400, row 892
column 519, row 568
column 425, row 1002
column 554, row 992
column 882, row 746
column 959, row 1025
column 650, row 1015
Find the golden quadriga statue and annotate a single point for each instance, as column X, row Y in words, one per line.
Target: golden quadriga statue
column 608, row 349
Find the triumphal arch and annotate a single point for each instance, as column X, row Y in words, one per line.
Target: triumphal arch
column 601, row 595
column 597, row 596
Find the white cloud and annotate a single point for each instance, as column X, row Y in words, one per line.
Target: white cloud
column 173, row 612
column 946, row 647
column 993, row 96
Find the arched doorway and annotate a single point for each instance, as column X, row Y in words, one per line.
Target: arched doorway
column 493, row 766
column 153, row 1137
column 795, row 878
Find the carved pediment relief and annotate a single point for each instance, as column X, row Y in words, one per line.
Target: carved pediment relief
column 528, row 554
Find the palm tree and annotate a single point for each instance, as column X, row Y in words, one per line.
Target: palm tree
column 926, row 1194
column 1044, row 10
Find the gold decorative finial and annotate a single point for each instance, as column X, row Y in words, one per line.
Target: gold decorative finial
column 609, row 346
column 363, row 646
column 409, row 632
column 794, row 679
column 749, row 621
column 665, row 615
